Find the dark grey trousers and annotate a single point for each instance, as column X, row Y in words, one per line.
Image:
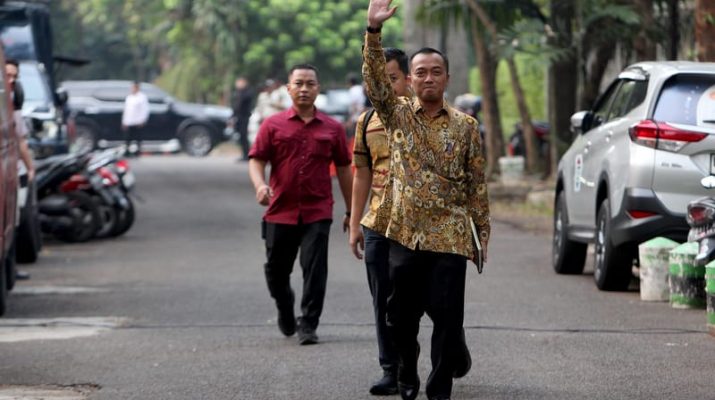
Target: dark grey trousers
column 377, row 252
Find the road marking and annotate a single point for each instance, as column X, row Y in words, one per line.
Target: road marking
column 36, row 290
column 26, row 329
column 45, row 392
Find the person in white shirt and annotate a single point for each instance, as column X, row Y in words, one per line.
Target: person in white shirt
column 356, row 94
column 134, row 117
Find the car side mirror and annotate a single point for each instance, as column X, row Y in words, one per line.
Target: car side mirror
column 62, row 96
column 580, row 122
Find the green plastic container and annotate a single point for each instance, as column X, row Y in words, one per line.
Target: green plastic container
column 710, row 294
column 687, row 280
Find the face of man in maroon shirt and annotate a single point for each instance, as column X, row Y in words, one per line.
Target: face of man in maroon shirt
column 303, row 87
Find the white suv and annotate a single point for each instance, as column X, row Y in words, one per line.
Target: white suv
column 636, row 162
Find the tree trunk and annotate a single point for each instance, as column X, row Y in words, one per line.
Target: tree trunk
column 596, row 61
column 673, row 29
column 527, row 129
column 705, row 30
column 643, row 43
column 562, row 81
column 526, row 126
column 490, row 106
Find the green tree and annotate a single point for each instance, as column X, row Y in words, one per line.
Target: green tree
column 195, row 48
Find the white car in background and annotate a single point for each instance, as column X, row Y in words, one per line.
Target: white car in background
column 636, row 162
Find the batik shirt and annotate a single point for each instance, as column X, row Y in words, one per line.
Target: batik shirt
column 436, row 168
column 377, row 153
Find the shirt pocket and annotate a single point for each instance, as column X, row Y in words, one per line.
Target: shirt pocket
column 322, row 146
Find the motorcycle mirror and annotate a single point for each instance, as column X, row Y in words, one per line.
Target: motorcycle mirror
column 708, row 182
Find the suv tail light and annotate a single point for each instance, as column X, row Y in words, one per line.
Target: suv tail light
column 661, row 136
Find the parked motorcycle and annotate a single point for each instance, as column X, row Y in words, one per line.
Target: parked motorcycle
column 517, row 143
column 701, row 218
column 71, row 216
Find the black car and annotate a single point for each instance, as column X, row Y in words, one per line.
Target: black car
column 97, row 107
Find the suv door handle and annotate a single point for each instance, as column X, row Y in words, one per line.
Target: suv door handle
column 609, row 135
column 588, row 146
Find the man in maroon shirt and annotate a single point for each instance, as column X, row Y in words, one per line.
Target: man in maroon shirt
column 299, row 144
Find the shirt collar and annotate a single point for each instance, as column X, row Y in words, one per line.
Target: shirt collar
column 292, row 114
column 417, row 107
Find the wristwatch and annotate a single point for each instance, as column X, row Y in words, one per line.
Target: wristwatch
column 373, row 30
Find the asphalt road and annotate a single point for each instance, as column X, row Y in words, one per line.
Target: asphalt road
column 184, row 313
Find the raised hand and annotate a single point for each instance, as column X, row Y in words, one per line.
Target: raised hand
column 378, row 12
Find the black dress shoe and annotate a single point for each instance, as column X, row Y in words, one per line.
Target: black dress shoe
column 286, row 322
column 306, row 335
column 386, row 386
column 409, row 392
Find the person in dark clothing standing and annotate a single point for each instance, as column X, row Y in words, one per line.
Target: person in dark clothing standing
column 242, row 104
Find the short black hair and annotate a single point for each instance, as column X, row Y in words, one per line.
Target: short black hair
column 353, row 79
column 12, row 61
column 303, row 66
column 392, row 53
column 430, row 50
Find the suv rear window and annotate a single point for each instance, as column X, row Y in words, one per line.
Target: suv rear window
column 687, row 99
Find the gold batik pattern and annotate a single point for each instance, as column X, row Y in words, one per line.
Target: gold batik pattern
column 436, row 179
column 380, row 155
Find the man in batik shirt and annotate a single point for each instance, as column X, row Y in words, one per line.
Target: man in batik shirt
column 436, row 187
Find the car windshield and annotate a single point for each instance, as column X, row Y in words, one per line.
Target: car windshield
column 33, row 83
column 687, row 99
column 18, row 43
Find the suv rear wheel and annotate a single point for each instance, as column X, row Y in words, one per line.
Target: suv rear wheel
column 568, row 257
column 197, row 141
column 86, row 139
column 612, row 264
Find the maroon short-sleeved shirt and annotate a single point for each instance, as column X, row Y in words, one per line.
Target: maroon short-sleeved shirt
column 300, row 155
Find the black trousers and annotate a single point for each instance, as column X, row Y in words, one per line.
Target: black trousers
column 377, row 252
column 242, row 130
column 282, row 245
column 133, row 133
column 432, row 283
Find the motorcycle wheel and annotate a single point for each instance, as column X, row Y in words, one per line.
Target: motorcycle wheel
column 86, row 217
column 125, row 219
column 108, row 219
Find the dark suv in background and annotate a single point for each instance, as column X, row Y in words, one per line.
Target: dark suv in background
column 97, row 108
column 26, row 35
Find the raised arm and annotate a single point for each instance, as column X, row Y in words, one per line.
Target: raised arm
column 377, row 84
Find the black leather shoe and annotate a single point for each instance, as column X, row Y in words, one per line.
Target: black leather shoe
column 286, row 322
column 386, row 386
column 409, row 392
column 306, row 335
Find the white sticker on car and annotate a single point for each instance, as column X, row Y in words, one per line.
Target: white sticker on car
column 577, row 172
column 705, row 111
